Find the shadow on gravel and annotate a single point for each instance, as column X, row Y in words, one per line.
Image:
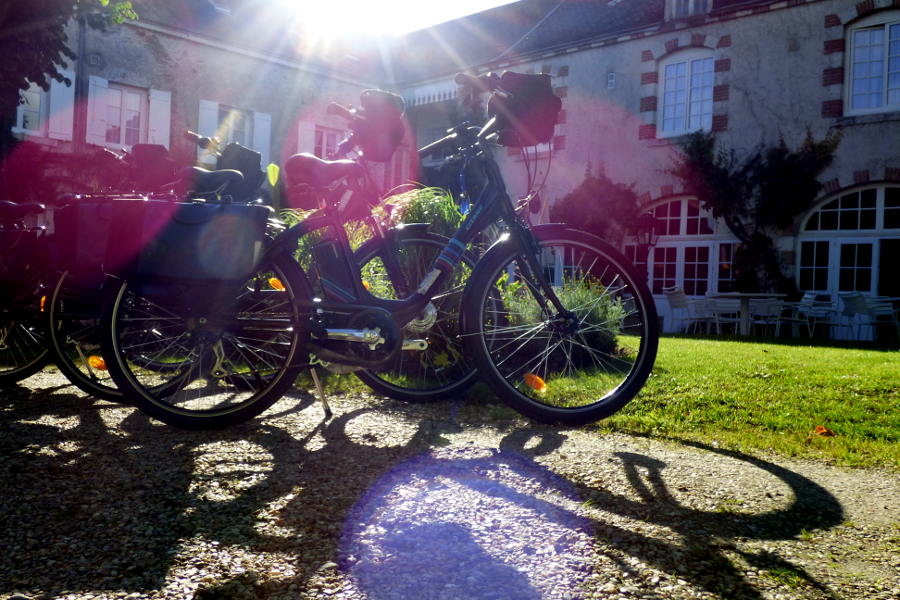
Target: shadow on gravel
column 387, row 510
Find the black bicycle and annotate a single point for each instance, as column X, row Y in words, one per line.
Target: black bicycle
column 557, row 321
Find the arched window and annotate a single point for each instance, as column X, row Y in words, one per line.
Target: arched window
column 873, row 63
column 691, row 253
column 851, row 243
column 686, row 92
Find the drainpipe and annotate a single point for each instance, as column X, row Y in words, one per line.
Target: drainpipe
column 79, row 124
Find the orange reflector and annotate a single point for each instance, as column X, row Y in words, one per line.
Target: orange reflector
column 43, row 303
column 276, row 284
column 97, row 362
column 367, row 285
column 534, row 382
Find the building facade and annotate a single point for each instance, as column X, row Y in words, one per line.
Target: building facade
column 636, row 77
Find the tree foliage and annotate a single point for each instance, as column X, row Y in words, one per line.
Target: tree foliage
column 600, row 206
column 34, row 44
column 758, row 196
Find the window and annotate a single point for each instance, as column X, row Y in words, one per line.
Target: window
column 685, row 8
column 855, row 273
column 726, row 267
column 892, row 208
column 665, row 264
column 814, row 266
column 32, row 112
column 682, row 217
column 696, row 270
column 326, row 141
column 687, row 93
column 235, row 125
column 851, row 212
column 126, row 115
column 874, row 74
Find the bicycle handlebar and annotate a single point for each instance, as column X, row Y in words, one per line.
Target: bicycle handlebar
column 341, row 111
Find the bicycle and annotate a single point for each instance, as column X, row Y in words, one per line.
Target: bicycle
column 23, row 344
column 557, row 321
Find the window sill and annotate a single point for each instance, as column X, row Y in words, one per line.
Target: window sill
column 868, row 119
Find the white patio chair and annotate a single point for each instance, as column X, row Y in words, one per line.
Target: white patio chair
column 686, row 312
column 812, row 312
column 726, row 311
column 881, row 310
column 765, row 313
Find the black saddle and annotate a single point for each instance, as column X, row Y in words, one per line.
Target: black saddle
column 316, row 172
column 10, row 211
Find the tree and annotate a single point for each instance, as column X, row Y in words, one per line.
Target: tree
column 758, row 197
column 600, row 206
column 34, row 46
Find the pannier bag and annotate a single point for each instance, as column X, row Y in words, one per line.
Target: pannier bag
column 526, row 111
column 379, row 128
column 160, row 238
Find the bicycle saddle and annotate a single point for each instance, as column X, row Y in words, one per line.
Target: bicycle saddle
column 10, row 211
column 198, row 179
column 314, row 171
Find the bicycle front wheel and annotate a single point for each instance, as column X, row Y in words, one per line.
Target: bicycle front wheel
column 392, row 267
column 572, row 366
column 207, row 367
column 74, row 332
column 23, row 340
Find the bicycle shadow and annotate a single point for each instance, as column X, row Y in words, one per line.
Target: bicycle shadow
column 384, row 504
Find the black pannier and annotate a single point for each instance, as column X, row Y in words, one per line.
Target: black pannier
column 161, row 238
column 379, row 127
column 526, row 109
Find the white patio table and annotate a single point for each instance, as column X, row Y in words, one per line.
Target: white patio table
column 745, row 297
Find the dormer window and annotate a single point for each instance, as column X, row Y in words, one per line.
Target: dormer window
column 679, row 9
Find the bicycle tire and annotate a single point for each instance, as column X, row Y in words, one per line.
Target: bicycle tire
column 574, row 367
column 229, row 365
column 442, row 370
column 73, row 319
column 23, row 342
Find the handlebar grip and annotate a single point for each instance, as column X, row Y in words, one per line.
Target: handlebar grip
column 482, row 83
column 201, row 140
column 341, row 111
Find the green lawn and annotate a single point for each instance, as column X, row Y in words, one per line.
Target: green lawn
column 752, row 395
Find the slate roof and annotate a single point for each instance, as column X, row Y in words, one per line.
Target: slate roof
column 521, row 29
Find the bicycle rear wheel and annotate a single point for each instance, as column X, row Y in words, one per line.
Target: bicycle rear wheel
column 573, row 366
column 207, row 368
column 74, row 335
column 392, row 267
column 23, row 340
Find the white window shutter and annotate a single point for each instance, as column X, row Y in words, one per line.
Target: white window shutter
column 262, row 130
column 207, row 125
column 62, row 108
column 306, row 137
column 96, row 125
column 160, row 119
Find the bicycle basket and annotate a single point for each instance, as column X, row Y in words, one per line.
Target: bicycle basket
column 526, row 111
column 379, row 128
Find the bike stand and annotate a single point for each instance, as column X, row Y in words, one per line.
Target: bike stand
column 320, row 390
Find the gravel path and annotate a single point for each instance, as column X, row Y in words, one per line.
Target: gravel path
column 390, row 501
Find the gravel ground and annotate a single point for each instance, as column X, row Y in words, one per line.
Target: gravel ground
column 391, row 501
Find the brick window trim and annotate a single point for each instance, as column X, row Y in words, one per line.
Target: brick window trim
column 721, row 93
column 832, row 21
column 649, row 77
column 719, row 123
column 833, row 46
column 832, row 108
column 649, row 103
column 861, row 176
column 722, row 65
column 833, row 76
column 647, row 132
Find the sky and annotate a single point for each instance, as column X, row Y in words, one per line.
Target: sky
column 393, row 17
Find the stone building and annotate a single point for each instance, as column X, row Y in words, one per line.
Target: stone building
column 635, row 76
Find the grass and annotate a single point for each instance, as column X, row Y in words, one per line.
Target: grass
column 753, row 395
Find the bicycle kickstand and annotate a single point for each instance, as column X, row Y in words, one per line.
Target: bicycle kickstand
column 320, row 390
